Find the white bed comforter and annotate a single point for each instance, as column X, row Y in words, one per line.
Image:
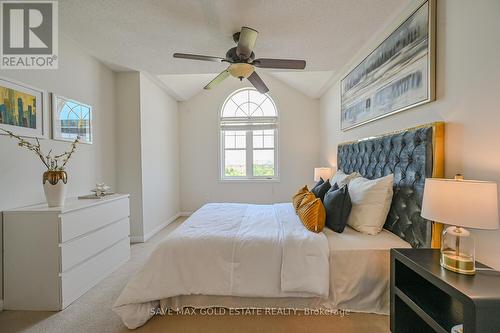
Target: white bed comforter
column 230, row 250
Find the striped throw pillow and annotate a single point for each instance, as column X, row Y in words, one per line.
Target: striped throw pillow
column 307, row 199
column 297, row 197
column 313, row 215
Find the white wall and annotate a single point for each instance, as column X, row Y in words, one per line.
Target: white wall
column 148, row 152
column 199, row 136
column 160, row 155
column 468, row 86
column 79, row 77
column 128, row 127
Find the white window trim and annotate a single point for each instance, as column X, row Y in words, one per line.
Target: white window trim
column 249, row 151
column 249, row 160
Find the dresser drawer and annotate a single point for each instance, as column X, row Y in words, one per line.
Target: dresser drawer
column 81, row 278
column 79, row 249
column 79, row 222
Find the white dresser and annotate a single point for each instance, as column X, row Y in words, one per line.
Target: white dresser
column 52, row 256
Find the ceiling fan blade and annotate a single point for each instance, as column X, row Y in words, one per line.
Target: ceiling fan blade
column 257, row 82
column 198, row 57
column 279, row 63
column 246, row 42
column 218, row 79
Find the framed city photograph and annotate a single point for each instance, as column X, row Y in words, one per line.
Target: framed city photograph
column 71, row 119
column 21, row 109
column 398, row 75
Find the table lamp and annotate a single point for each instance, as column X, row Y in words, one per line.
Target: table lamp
column 460, row 203
column 323, row 172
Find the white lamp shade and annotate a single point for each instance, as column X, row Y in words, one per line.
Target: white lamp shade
column 465, row 203
column 325, row 173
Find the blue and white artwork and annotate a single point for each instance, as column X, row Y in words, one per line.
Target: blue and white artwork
column 71, row 119
column 396, row 76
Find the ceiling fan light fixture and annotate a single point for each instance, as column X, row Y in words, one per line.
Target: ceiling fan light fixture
column 241, row 70
column 242, row 60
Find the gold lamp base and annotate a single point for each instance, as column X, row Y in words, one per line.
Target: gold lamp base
column 461, row 264
column 457, row 251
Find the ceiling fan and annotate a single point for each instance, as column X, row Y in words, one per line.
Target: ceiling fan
column 242, row 61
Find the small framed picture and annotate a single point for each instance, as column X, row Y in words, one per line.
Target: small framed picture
column 71, row 119
column 22, row 109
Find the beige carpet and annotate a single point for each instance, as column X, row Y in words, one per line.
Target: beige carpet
column 92, row 312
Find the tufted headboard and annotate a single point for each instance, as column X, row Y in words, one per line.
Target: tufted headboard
column 411, row 155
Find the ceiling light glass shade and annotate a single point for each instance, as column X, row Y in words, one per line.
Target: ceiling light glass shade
column 241, row 70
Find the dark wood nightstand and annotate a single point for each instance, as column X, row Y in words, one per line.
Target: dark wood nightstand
column 428, row 298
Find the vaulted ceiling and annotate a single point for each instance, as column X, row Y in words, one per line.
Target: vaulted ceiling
column 185, row 86
column 143, row 35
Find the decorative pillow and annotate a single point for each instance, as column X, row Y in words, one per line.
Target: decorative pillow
column 371, row 201
column 297, row 197
column 320, row 190
column 337, row 207
column 319, row 183
column 312, row 215
column 309, row 197
column 342, row 179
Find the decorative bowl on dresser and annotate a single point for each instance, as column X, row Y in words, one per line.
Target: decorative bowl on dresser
column 54, row 255
column 425, row 297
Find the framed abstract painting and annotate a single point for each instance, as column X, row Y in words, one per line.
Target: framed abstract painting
column 21, row 109
column 71, row 119
column 398, row 75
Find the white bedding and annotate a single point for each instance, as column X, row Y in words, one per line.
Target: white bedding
column 230, row 250
column 359, row 278
column 360, row 270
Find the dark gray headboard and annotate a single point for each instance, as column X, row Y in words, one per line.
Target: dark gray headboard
column 411, row 155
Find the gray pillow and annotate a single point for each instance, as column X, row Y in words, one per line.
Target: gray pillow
column 338, row 206
column 319, row 191
column 319, row 183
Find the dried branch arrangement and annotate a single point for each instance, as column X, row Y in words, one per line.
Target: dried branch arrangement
column 53, row 163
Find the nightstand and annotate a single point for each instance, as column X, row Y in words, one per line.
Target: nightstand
column 427, row 298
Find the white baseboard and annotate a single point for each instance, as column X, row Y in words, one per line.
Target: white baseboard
column 142, row 239
column 136, row 239
column 160, row 227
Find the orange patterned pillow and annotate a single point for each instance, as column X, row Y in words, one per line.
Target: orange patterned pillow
column 308, row 197
column 313, row 215
column 297, row 197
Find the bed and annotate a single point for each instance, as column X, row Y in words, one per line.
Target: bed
column 260, row 256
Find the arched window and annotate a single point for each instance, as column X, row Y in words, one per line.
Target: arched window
column 249, row 136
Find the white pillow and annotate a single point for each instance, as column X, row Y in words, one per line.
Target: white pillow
column 371, row 201
column 342, row 179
